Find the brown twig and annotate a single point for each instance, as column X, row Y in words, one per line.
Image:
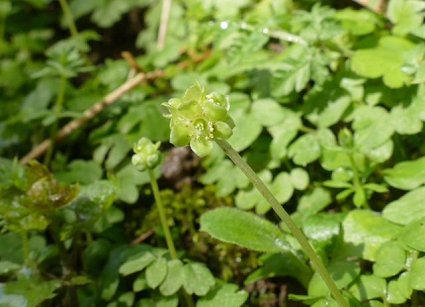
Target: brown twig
column 92, row 112
column 378, row 7
column 142, row 237
column 163, row 26
column 109, row 99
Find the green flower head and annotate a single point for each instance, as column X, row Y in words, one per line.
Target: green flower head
column 146, row 154
column 198, row 118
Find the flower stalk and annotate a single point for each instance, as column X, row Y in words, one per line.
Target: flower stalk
column 199, row 119
column 147, row 157
column 286, row 218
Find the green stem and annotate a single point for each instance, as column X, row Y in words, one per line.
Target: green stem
column 58, row 110
column 25, row 247
column 69, row 18
column 166, row 229
column 356, row 179
column 162, row 216
column 285, row 217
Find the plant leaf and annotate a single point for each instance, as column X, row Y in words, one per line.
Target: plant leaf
column 244, row 229
column 226, row 295
column 406, row 175
column 197, row 279
column 174, row 279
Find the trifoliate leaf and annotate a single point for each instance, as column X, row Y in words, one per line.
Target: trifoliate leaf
column 406, row 15
column 385, row 61
column 304, row 150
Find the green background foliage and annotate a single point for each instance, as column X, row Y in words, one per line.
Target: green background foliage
column 328, row 101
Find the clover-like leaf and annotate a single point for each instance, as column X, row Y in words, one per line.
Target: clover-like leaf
column 385, row 61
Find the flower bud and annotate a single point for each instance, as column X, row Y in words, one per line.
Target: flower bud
column 146, row 154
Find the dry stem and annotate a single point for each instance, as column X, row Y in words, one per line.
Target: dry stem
column 91, row 113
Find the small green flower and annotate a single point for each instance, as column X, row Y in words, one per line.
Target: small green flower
column 146, row 154
column 198, row 118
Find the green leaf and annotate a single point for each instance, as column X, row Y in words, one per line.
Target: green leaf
column 365, row 231
column 385, row 61
column 35, row 291
column 304, row 150
column 244, row 229
column 137, row 263
column 342, row 272
column 108, row 12
column 166, row 301
column 226, row 295
column 414, row 235
column 197, row 279
column 369, row 287
column 358, row 22
column 323, row 229
column 7, row 267
column 406, row 175
column 407, row 208
column 156, row 272
column 405, row 120
column 299, row 178
column 246, row 131
column 268, row 112
column 282, row 188
column 371, row 127
column 283, row 134
column 281, row 264
column 399, row 290
column 325, row 105
column 312, row 203
column 225, row 185
column 390, row 259
column 95, row 255
column 174, row 279
column 126, row 182
column 294, row 73
column 140, row 282
column 417, row 274
column 406, row 15
column 81, row 171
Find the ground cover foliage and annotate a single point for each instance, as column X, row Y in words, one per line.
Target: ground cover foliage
column 328, row 104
